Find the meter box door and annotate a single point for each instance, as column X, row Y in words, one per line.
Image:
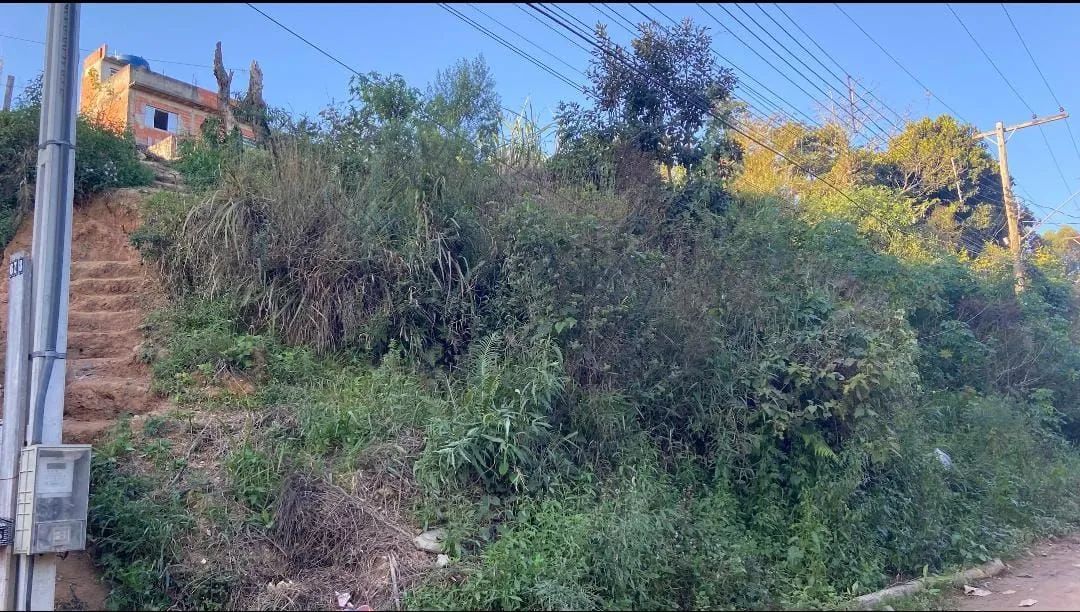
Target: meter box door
column 54, row 491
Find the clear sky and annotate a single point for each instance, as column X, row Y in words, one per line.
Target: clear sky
column 416, row 40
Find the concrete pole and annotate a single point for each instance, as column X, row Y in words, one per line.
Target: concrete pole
column 8, row 90
column 1011, row 214
column 16, row 401
column 51, row 255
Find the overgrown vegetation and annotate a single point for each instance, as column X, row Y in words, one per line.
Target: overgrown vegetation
column 104, row 159
column 630, row 374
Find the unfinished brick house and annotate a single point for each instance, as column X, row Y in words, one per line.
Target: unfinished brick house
column 123, row 92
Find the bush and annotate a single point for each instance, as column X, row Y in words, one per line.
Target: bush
column 612, row 389
column 134, row 526
column 104, row 160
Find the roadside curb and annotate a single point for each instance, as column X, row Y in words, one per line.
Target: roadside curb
column 986, row 570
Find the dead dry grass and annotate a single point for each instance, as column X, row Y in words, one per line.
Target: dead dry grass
column 332, row 532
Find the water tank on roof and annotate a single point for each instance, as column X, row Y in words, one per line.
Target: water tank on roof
column 134, row 60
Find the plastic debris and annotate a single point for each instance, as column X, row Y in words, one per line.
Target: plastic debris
column 976, row 591
column 430, row 541
column 944, row 458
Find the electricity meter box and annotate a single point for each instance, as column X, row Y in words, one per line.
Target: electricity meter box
column 54, row 491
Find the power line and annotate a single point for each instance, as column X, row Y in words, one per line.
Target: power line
column 730, row 124
column 522, row 37
column 749, row 108
column 991, row 60
column 827, row 95
column 526, row 39
column 897, row 62
column 750, row 76
column 762, row 98
column 308, row 42
column 1014, row 90
column 538, row 63
column 1046, row 82
column 842, row 94
column 552, row 28
column 149, row 59
column 831, row 58
column 619, row 15
column 736, row 37
column 829, row 70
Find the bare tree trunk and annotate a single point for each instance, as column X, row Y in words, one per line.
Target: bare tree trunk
column 224, row 81
column 257, row 105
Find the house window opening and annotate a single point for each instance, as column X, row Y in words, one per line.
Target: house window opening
column 162, row 120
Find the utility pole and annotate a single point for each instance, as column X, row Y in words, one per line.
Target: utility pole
column 51, row 257
column 851, row 98
column 1012, row 214
column 8, row 90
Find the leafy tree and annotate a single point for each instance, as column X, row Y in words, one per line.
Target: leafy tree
column 464, row 96
column 939, row 161
column 667, row 98
column 1064, row 242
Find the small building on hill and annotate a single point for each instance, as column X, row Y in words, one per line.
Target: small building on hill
column 122, row 91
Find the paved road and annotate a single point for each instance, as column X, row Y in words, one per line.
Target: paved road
column 1049, row 573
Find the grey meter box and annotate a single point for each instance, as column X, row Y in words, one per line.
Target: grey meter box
column 54, row 491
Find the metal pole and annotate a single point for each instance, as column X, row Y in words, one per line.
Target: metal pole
column 16, row 401
column 7, row 91
column 51, row 255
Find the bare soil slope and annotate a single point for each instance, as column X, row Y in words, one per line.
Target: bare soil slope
column 111, row 292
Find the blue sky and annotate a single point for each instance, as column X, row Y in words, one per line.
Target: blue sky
column 416, row 40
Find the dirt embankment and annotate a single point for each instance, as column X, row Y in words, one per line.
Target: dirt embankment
column 111, row 293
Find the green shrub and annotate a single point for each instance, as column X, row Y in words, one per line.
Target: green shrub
column 497, row 430
column 134, row 527
column 635, row 393
column 104, row 160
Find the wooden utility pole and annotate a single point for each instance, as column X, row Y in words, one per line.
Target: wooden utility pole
column 1012, row 214
column 851, row 99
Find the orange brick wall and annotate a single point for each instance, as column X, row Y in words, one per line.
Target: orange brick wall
column 114, row 102
column 105, row 102
column 191, row 119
